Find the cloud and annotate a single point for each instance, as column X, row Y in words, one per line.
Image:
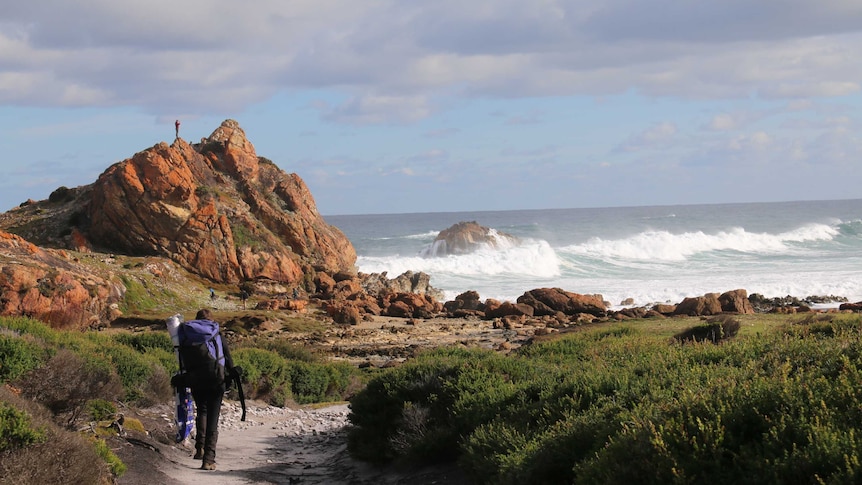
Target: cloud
column 392, row 58
column 374, row 109
column 723, row 122
column 654, row 137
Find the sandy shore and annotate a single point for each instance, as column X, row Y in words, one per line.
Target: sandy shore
column 273, row 446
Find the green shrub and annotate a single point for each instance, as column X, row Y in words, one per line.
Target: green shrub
column 622, row 406
column 266, row 374
column 117, row 467
column 133, row 368
column 289, row 350
column 28, row 326
column 309, row 382
column 100, row 409
column 144, row 342
column 16, row 430
column 18, row 355
column 715, row 330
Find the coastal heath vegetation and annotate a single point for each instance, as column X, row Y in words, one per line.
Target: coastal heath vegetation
column 53, row 381
column 617, row 404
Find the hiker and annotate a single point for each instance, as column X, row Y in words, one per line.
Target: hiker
column 206, row 375
column 177, row 126
column 212, row 294
column 243, row 295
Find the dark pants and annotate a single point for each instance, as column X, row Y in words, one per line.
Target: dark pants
column 208, row 408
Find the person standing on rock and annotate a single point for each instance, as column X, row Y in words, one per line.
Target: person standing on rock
column 208, row 366
column 177, row 127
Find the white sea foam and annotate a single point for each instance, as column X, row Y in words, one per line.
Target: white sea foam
column 423, row 236
column 530, row 259
column 666, row 246
column 797, row 249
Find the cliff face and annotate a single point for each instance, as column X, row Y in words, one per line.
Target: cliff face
column 216, row 209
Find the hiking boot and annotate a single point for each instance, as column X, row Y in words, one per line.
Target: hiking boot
column 208, row 465
column 199, row 454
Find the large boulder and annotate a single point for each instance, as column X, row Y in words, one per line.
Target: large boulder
column 735, row 301
column 496, row 309
column 707, row 304
column 215, row 208
column 467, row 237
column 409, row 305
column 549, row 301
column 469, row 300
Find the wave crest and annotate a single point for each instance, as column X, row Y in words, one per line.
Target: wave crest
column 666, row 246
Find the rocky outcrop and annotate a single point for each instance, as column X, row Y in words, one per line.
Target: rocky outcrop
column 215, row 208
column 469, row 301
column 549, row 301
column 707, row 304
column 852, row 307
column 51, row 286
column 467, row 237
column 497, row 309
column 407, row 282
column 735, row 301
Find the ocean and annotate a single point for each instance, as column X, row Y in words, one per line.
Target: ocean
column 658, row 254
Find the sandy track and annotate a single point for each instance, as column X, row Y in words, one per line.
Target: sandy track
column 275, row 446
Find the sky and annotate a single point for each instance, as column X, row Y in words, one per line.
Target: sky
column 393, row 106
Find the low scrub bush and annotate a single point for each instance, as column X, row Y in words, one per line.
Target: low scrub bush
column 18, row 355
column 16, row 430
column 270, row 377
column 117, row 467
column 100, row 409
column 266, row 374
column 144, row 342
column 35, row 328
column 622, row 406
column 66, row 382
column 715, row 330
column 51, row 454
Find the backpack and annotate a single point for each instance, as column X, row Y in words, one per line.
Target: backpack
column 201, row 353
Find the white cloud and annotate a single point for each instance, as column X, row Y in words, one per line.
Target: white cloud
column 393, row 56
column 372, row 109
column 723, row 122
column 656, row 136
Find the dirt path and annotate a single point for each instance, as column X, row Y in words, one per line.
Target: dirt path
column 273, row 446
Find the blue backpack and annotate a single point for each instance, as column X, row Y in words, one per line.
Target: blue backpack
column 201, row 353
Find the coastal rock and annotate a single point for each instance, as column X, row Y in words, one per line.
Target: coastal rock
column 495, row 309
column 409, row 305
column 664, row 308
column 549, row 301
column 344, row 312
column 469, row 300
column 735, row 301
column 853, row 307
column 707, row 304
column 215, row 208
column 407, row 282
column 467, row 237
column 48, row 285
